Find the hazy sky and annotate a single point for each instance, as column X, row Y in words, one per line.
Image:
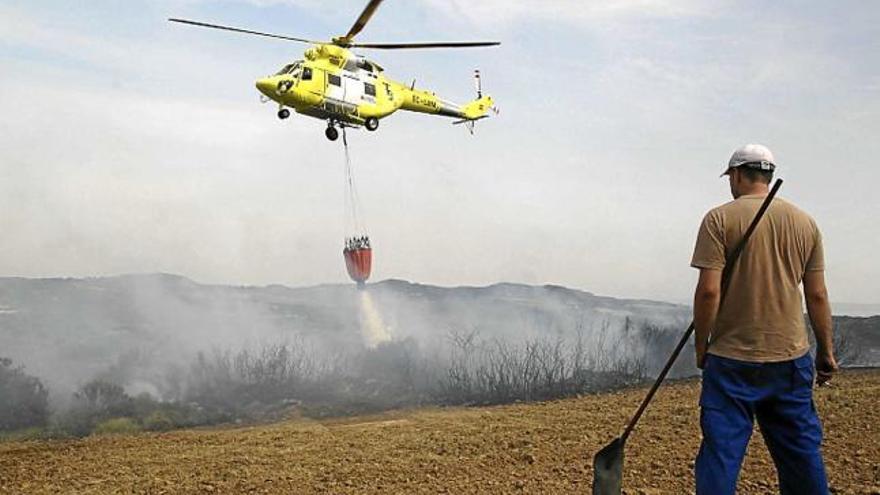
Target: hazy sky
column 130, row 144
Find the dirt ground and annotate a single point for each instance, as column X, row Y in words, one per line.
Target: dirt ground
column 527, row 448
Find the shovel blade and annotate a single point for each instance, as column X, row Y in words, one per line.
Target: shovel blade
column 608, row 469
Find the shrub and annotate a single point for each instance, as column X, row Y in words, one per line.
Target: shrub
column 26, row 434
column 76, row 422
column 104, row 399
column 93, row 403
column 159, row 421
column 143, row 405
column 117, row 426
column 24, row 400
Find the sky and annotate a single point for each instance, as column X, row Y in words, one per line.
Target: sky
column 131, row 144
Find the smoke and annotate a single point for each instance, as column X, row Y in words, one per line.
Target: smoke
column 373, row 328
column 144, row 332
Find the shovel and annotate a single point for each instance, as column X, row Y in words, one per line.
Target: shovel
column 608, row 462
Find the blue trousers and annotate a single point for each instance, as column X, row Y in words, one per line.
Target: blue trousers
column 780, row 396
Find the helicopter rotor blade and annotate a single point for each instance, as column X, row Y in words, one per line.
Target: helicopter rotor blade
column 245, row 31
column 439, row 44
column 362, row 20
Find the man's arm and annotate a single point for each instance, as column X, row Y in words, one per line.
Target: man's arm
column 707, row 298
column 819, row 310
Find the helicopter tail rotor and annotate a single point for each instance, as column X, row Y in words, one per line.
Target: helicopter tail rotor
column 478, row 109
column 477, row 84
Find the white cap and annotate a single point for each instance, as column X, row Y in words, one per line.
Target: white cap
column 755, row 156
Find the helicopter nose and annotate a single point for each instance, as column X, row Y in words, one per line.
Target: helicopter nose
column 266, row 86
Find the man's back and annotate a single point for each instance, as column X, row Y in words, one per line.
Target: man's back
column 761, row 319
column 752, row 346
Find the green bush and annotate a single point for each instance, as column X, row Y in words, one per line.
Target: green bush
column 117, row 426
column 93, row 404
column 160, row 421
column 26, row 434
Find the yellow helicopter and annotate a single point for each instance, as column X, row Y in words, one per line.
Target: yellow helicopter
column 347, row 90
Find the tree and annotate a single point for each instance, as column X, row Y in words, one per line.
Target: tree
column 24, row 400
column 104, row 399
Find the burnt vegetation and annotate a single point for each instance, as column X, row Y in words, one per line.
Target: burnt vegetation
column 498, row 371
column 24, row 400
column 283, row 379
column 295, row 377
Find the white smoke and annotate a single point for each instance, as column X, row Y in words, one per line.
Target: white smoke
column 372, row 327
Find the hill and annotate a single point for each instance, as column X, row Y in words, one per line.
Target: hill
column 866, row 333
column 525, row 448
column 67, row 331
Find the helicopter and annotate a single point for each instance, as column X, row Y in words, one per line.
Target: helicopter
column 344, row 89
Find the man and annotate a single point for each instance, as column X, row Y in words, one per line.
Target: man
column 753, row 348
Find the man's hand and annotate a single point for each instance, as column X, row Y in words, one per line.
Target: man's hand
column 826, row 367
column 819, row 309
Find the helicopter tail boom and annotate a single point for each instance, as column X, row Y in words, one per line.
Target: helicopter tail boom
column 421, row 101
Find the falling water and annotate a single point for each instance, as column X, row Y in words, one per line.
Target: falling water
column 372, row 327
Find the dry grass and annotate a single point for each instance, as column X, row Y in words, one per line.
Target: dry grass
column 532, row 448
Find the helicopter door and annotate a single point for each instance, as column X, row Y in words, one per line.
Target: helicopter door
column 310, row 80
column 354, row 89
column 335, row 88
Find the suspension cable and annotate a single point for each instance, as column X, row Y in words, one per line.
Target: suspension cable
column 352, row 206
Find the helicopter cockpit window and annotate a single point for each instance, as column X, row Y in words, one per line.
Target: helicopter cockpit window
column 351, row 65
column 307, row 74
column 286, row 69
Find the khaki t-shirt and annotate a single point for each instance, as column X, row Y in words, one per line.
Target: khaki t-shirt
column 761, row 318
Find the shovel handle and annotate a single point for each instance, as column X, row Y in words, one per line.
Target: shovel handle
column 725, row 281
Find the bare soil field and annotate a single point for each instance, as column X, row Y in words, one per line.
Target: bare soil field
column 524, row 448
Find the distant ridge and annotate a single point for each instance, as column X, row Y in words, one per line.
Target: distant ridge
column 69, row 329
